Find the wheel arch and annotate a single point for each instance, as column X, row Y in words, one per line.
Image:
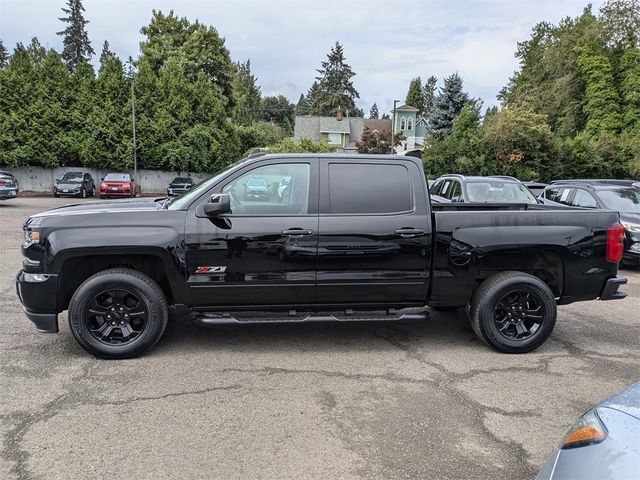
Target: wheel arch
column 77, row 266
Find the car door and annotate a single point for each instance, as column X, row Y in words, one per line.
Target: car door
column 375, row 236
column 263, row 252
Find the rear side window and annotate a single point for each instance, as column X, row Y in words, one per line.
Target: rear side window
column 584, row 199
column 558, row 195
column 369, row 188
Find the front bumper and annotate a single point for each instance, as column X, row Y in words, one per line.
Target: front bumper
column 38, row 293
column 115, row 193
column 610, row 290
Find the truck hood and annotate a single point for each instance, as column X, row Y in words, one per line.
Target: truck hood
column 113, row 206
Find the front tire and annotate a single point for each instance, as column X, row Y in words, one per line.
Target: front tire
column 513, row 312
column 118, row 313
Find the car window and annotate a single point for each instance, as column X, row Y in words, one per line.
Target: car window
column 435, row 188
column 121, row 177
column 71, row 177
column 558, row 195
column 280, row 189
column 455, row 192
column 584, row 199
column 625, row 200
column 445, row 188
column 498, row 191
column 369, row 188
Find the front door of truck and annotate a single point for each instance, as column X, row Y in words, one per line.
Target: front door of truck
column 375, row 232
column 264, row 252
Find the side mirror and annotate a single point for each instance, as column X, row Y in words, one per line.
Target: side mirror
column 218, row 204
column 102, row 179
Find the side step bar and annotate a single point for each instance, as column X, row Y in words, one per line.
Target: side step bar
column 211, row 319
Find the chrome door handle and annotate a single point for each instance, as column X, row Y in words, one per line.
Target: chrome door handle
column 409, row 232
column 296, row 232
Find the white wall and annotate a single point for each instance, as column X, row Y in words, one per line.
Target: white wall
column 38, row 179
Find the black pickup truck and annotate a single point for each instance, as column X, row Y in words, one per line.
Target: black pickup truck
column 333, row 238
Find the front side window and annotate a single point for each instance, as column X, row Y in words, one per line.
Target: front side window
column 369, row 188
column 280, row 189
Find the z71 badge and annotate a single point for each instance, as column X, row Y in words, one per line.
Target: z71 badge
column 206, row 269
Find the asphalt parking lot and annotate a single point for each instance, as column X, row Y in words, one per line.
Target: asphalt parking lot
column 413, row 400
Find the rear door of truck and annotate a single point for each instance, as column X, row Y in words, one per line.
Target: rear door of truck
column 375, row 233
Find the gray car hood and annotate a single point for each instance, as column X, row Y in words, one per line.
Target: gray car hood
column 626, row 401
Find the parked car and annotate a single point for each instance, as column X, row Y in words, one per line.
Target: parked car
column 465, row 189
column 256, row 189
column 535, row 187
column 179, row 185
column 77, row 184
column 8, row 186
column 620, row 195
column 603, row 444
column 118, row 185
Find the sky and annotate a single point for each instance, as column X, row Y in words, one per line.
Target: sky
column 387, row 43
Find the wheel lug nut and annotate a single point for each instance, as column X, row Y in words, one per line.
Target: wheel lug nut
column 121, row 323
column 113, row 323
column 121, row 309
column 108, row 316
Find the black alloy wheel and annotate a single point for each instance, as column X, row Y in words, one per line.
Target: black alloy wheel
column 116, row 317
column 118, row 313
column 519, row 314
column 513, row 312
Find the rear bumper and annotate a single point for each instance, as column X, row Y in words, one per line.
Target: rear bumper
column 38, row 294
column 7, row 193
column 610, row 290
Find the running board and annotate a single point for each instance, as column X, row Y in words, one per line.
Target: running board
column 211, row 319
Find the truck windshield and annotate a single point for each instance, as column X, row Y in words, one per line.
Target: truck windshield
column 491, row 191
column 621, row 199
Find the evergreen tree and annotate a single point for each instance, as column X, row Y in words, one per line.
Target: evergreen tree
column 313, row 99
column 247, row 94
column 302, row 107
column 428, row 94
column 603, row 102
column 4, row 55
column 447, row 106
column 278, row 110
column 198, row 45
column 77, row 47
column 385, row 116
column 106, row 55
column 415, row 95
column 630, row 86
column 334, row 86
column 373, row 113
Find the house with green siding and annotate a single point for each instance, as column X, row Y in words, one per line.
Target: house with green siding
column 412, row 126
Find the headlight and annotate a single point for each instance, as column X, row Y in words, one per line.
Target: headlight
column 31, row 236
column 588, row 430
column 632, row 227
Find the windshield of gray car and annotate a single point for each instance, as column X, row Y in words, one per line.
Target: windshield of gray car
column 496, row 191
column 621, row 199
column 71, row 177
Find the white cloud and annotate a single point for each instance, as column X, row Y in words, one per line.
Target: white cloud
column 386, row 42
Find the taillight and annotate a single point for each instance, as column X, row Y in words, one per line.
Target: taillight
column 615, row 243
column 3, row 181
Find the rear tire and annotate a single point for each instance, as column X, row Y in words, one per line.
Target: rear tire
column 118, row 313
column 513, row 312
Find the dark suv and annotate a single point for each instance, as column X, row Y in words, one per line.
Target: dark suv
column 8, row 186
column 179, row 185
column 620, row 195
column 465, row 189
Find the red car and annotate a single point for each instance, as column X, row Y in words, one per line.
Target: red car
column 118, row 185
